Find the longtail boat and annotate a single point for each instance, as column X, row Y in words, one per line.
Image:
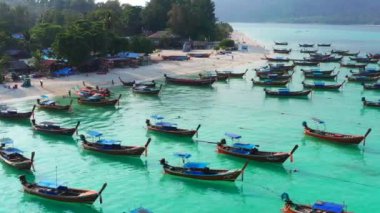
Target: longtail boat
column 283, row 50
column 339, row 52
column 319, row 55
column 353, row 65
column 306, row 45
column 87, row 91
column 251, row 152
column 199, row 55
column 14, row 157
column 135, row 83
column 324, row 45
column 53, row 128
column 200, row 171
column 366, row 73
column 48, row 104
column 100, row 101
column 232, row 74
column 318, row 75
column 54, row 191
column 112, row 147
column 318, row 70
column 276, row 59
column 305, row 63
column 275, row 76
column 375, row 86
column 320, row 85
column 281, row 43
column 318, row 207
column 370, row 103
column 146, row 90
column 190, row 82
column 364, row 59
column 328, row 59
column 13, row 114
column 362, row 78
column 374, row 56
column 335, row 137
column 169, row 128
column 308, row 50
column 270, row 82
column 350, row 53
column 285, row 92
column 282, row 67
column 218, row 77
column 269, row 70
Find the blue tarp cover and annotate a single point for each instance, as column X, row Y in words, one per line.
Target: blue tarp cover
column 141, row 210
column 232, row 135
column 48, row 102
column 6, row 141
column 195, row 165
column 63, row 72
column 319, row 83
column 108, row 142
column 157, row 117
column 48, row 184
column 94, row 133
column 12, row 150
column 166, row 124
column 244, row 145
column 182, row 155
column 329, row 207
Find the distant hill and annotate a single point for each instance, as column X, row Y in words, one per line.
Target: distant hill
column 300, row 11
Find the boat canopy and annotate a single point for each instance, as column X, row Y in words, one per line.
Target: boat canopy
column 94, row 133
column 141, row 210
column 319, row 83
column 182, row 155
column 12, row 150
column 318, row 120
column 195, row 165
column 49, row 184
column 244, row 145
column 315, row 69
column 49, row 123
column 6, row 141
column 95, row 97
column 157, row 117
column 45, row 96
column 108, row 142
column 166, row 124
column 48, row 102
column 232, row 135
column 329, row 207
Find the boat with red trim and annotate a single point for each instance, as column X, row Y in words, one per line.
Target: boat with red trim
column 14, row 157
column 200, row 171
column 112, row 147
column 57, row 192
column 318, row 207
column 53, row 128
column 335, row 137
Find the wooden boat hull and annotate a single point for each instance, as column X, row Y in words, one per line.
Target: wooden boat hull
column 57, row 131
column 270, row 83
column 281, row 43
column 303, row 93
column 306, row 63
column 227, row 176
column 101, row 103
column 371, row 86
column 362, row 66
column 322, row 87
column 277, row 59
column 54, row 107
column 17, row 116
column 362, row 79
column 190, row 82
column 149, row 91
column 370, row 103
column 311, row 76
column 179, row 132
column 282, row 51
column 335, row 137
column 22, row 165
column 325, row 72
column 271, row 157
column 199, row 55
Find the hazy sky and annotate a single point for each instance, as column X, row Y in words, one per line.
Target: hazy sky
column 132, row 2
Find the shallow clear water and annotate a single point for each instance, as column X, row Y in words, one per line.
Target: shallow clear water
column 326, row 171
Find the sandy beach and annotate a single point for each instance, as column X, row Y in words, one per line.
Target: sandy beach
column 61, row 86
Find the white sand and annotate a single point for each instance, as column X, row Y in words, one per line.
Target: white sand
column 61, row 86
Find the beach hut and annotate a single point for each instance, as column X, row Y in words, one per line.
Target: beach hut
column 165, row 39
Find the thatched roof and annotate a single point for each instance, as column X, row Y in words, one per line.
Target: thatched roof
column 162, row 34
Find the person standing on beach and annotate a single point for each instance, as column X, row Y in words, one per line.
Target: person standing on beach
column 41, row 83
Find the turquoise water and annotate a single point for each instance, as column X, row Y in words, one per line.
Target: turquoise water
column 326, row 171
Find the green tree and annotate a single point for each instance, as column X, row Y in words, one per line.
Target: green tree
column 141, row 44
column 37, row 60
column 43, row 35
column 155, row 14
column 132, row 20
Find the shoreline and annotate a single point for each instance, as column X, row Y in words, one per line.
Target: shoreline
column 60, row 86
